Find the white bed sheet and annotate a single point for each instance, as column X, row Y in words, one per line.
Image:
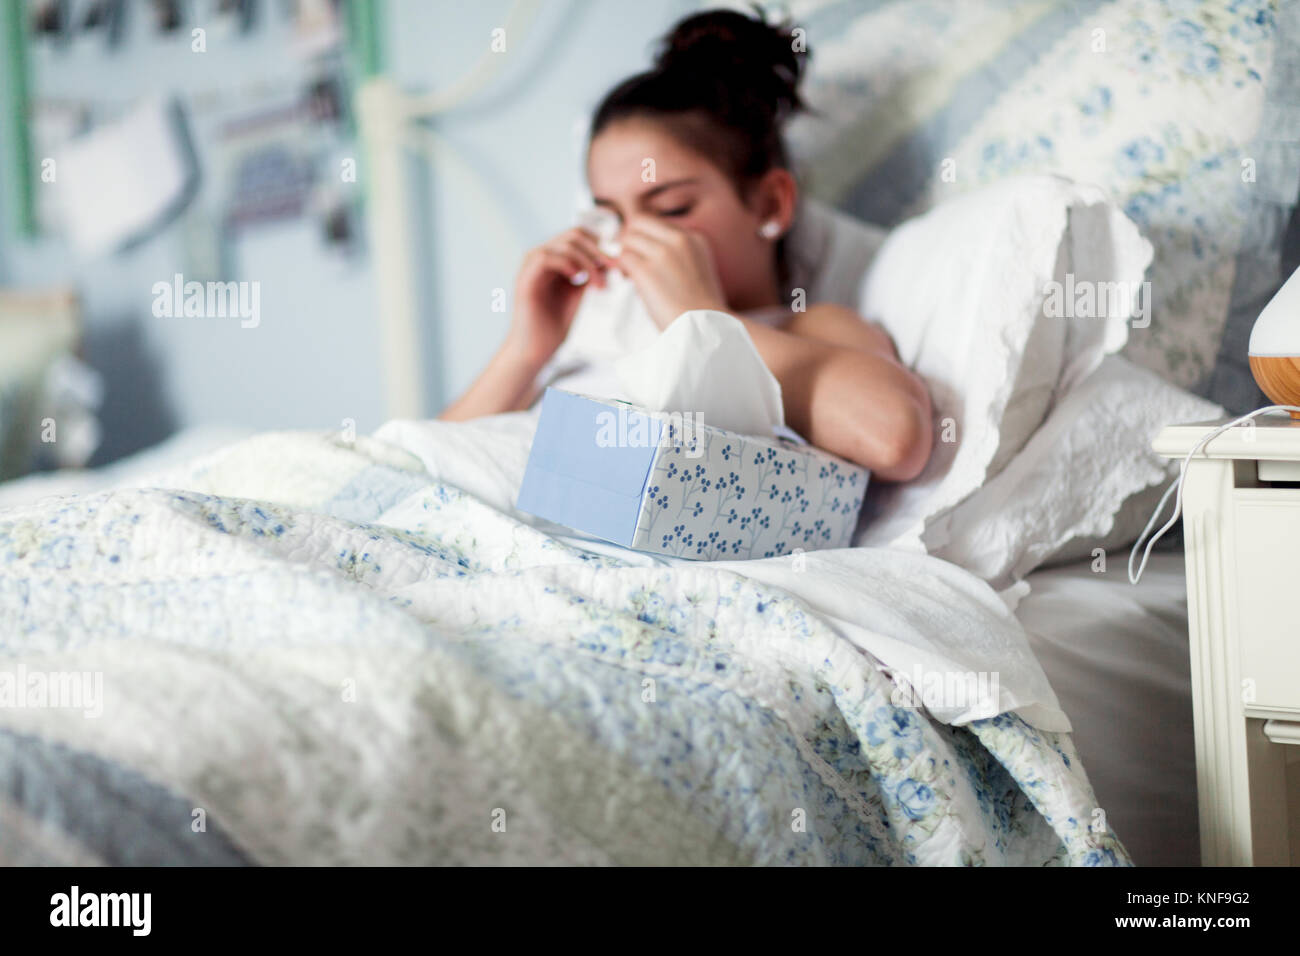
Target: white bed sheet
column 1117, row 658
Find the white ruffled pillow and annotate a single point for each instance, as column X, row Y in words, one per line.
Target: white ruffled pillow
column 962, row 291
column 1088, row 478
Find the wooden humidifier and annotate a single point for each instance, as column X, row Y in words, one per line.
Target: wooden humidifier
column 1274, row 349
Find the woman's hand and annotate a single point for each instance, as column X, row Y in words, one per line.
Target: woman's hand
column 546, row 300
column 672, row 269
column 546, row 296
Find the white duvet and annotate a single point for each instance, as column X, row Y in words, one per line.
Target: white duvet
column 943, row 620
column 356, row 652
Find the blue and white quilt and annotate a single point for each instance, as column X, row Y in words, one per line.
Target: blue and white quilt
column 308, row 650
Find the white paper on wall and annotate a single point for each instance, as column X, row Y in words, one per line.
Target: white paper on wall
column 124, row 178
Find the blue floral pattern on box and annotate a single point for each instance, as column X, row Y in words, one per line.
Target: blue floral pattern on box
column 715, row 494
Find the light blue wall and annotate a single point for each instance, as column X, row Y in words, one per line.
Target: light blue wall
column 523, row 135
column 314, row 359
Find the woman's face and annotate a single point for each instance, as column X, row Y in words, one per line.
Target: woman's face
column 636, row 168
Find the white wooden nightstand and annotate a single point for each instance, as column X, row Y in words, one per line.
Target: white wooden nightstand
column 1241, row 535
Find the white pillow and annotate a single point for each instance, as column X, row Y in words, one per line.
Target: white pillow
column 1087, row 478
column 1036, row 381
column 828, row 253
column 962, row 291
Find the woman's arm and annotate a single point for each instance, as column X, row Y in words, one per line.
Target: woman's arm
column 546, row 301
column 506, row 385
column 836, row 325
column 854, row 402
column 844, row 329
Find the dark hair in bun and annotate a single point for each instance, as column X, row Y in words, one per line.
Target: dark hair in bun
column 725, row 83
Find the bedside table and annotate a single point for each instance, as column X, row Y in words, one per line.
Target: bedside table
column 1241, row 537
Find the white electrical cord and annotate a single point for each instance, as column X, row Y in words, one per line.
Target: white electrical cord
column 1178, row 500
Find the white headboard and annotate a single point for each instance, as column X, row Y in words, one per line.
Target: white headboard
column 394, row 128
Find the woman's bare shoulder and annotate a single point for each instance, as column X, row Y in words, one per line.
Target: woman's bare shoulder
column 842, row 326
column 832, row 308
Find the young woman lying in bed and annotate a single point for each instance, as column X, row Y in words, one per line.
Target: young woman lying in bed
column 705, row 232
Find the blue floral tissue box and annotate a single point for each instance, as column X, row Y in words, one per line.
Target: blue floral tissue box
column 669, row 483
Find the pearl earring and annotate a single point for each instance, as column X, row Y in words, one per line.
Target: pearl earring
column 770, row 229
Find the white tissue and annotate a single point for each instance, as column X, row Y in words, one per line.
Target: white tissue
column 604, row 225
column 705, row 363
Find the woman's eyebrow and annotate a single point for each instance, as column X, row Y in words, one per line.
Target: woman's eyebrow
column 655, row 191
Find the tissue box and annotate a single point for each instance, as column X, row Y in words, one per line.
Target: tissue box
column 668, row 483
